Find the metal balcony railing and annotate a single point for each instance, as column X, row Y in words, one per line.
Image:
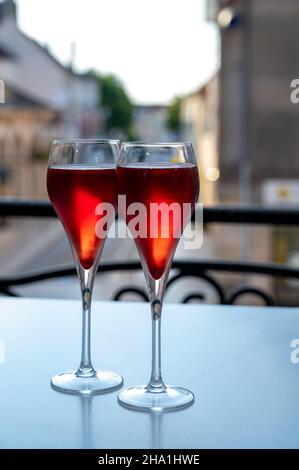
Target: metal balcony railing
column 202, row 269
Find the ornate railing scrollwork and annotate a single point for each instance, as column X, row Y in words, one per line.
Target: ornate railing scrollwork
column 243, row 290
column 200, row 270
column 119, row 295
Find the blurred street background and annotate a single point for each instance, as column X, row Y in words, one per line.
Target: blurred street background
column 214, row 72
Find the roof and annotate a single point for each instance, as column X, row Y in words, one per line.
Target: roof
column 203, row 87
column 8, row 7
column 46, row 51
column 16, row 97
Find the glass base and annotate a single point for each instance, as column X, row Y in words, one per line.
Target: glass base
column 100, row 382
column 142, row 399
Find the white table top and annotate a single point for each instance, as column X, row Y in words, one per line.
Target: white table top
column 236, row 360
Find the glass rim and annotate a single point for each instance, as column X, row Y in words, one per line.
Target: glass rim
column 84, row 141
column 148, row 143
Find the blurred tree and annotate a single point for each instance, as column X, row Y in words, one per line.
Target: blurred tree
column 173, row 114
column 118, row 105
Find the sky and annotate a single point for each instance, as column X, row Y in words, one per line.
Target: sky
column 158, row 48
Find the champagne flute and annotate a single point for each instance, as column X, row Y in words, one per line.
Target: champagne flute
column 152, row 175
column 82, row 175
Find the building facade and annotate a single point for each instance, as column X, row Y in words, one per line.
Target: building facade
column 43, row 100
column 150, row 123
column 199, row 120
column 259, row 139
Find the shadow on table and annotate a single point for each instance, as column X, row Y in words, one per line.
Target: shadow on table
column 86, row 424
column 86, row 414
column 156, row 428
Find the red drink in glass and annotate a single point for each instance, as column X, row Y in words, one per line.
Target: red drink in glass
column 168, row 184
column 75, row 192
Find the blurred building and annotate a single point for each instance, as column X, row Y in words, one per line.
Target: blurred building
column 199, row 120
column 43, row 100
column 259, row 138
column 150, row 123
column 246, row 128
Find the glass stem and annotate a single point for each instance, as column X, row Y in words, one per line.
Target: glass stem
column 86, row 277
column 156, row 293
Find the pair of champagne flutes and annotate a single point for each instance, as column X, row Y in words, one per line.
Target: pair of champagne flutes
column 85, row 180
